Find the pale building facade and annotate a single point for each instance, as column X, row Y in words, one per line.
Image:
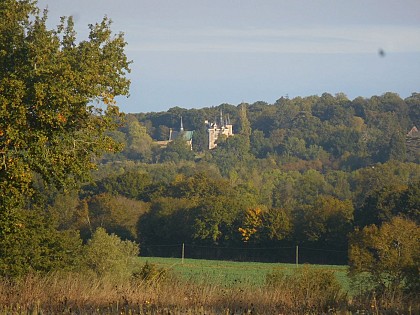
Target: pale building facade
column 216, row 129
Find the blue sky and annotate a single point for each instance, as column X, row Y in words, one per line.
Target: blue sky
column 199, row 53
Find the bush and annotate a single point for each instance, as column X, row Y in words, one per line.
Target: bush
column 108, row 255
column 311, row 289
column 34, row 245
column 389, row 255
column 385, row 261
column 150, row 273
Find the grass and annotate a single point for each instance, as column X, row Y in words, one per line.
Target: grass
column 197, row 287
column 79, row 293
column 230, row 273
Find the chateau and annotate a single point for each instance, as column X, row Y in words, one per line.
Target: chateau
column 215, row 130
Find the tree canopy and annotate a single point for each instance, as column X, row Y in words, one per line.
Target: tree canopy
column 56, row 102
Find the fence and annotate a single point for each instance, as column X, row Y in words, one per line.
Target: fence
column 290, row 254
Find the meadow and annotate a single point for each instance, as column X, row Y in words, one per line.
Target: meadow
column 232, row 273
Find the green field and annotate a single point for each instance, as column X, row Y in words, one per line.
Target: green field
column 231, row 273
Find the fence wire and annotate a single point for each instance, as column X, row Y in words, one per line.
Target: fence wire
column 277, row 254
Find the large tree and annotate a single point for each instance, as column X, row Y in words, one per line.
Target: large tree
column 56, row 102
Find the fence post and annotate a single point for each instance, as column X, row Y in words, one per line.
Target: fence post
column 183, row 253
column 297, row 255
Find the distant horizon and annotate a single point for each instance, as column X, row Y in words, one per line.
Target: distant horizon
column 273, row 102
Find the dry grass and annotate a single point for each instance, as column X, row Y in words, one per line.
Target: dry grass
column 73, row 293
column 87, row 294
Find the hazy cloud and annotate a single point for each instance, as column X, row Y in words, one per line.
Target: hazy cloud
column 288, row 40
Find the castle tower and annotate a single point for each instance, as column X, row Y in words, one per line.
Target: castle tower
column 214, row 130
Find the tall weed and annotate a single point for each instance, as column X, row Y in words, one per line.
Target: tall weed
column 308, row 289
column 305, row 291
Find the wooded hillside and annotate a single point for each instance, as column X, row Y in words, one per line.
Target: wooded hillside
column 304, row 171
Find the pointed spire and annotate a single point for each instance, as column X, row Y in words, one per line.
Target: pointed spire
column 182, row 126
column 221, row 119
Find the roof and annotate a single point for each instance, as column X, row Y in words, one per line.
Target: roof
column 186, row 134
column 413, row 132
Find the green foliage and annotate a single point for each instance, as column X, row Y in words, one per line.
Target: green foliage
column 108, row 255
column 244, row 124
column 328, row 221
column 294, row 146
column 310, row 186
column 343, row 134
column 284, row 193
column 196, row 187
column 117, row 214
column 409, row 202
column 190, row 202
column 67, row 211
column 139, row 143
column 260, row 146
column 388, row 256
column 54, row 80
column 132, row 183
column 176, row 151
column 340, row 180
column 150, row 273
column 215, row 218
column 48, row 125
column 232, row 154
column 381, row 205
column 168, row 220
column 367, row 180
column 196, row 208
column 277, row 224
column 342, row 139
column 200, row 140
column 35, row 245
column 268, row 225
column 413, row 103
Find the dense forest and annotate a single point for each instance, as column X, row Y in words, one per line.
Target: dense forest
column 303, row 171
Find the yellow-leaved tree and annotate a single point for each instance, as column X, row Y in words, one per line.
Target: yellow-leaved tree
column 251, row 223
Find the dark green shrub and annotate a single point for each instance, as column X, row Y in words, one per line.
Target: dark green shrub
column 108, row 255
column 150, row 273
column 35, row 245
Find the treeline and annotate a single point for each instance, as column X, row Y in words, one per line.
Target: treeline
column 306, row 171
column 322, row 132
column 168, row 204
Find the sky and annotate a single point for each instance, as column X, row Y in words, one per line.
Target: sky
column 202, row 53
